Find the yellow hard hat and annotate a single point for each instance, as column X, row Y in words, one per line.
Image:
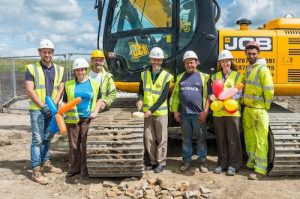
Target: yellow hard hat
column 97, row 53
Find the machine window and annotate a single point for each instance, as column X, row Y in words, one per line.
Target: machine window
column 188, row 18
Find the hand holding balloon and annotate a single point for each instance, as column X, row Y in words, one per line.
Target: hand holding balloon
column 57, row 123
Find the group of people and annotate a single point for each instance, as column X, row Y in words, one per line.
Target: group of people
column 190, row 102
column 44, row 78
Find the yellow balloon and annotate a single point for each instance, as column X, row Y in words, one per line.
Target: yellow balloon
column 216, row 105
column 230, row 105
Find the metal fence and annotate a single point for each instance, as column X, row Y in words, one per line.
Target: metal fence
column 12, row 74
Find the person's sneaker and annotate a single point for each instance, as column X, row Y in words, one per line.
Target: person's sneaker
column 185, row 167
column 256, row 176
column 159, row 168
column 38, row 177
column 48, row 167
column 150, row 167
column 231, row 171
column 218, row 170
column 203, row 167
column 71, row 174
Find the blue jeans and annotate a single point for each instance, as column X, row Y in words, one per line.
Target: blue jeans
column 190, row 126
column 40, row 143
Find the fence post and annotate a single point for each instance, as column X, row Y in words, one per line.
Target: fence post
column 14, row 78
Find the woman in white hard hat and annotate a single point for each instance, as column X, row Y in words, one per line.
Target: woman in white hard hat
column 153, row 94
column 78, row 118
column 227, row 124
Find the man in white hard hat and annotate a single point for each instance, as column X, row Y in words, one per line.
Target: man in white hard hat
column 190, row 104
column 44, row 78
column 98, row 73
column 153, row 94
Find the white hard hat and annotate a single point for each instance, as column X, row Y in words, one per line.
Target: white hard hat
column 157, row 53
column 46, row 43
column 190, row 55
column 225, row 54
column 80, row 63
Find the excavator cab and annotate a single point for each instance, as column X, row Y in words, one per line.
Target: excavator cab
column 129, row 29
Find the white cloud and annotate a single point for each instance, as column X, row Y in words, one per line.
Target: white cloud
column 24, row 23
column 259, row 12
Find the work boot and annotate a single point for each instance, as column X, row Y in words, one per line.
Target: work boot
column 202, row 166
column 48, row 167
column 38, row 177
column 185, row 167
column 159, row 168
column 256, row 176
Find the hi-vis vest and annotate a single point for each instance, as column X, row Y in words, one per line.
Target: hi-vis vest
column 259, row 88
column 233, row 78
column 153, row 91
column 174, row 101
column 39, row 82
column 72, row 116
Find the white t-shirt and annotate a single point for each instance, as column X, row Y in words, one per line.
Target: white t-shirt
column 95, row 76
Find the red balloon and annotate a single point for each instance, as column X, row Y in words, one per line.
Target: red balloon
column 217, row 87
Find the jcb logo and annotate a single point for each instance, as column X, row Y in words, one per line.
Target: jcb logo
column 239, row 43
column 138, row 50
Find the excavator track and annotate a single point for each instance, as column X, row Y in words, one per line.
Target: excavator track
column 284, row 142
column 115, row 146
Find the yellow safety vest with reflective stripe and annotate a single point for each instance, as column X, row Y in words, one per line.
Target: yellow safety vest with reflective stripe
column 175, row 102
column 39, row 82
column 153, row 91
column 72, row 116
column 259, row 88
column 233, row 78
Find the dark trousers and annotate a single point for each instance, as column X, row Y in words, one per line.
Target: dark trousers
column 228, row 141
column 77, row 134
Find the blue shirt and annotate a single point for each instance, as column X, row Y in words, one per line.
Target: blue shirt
column 85, row 91
column 190, row 93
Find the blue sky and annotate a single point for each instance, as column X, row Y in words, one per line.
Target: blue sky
column 72, row 24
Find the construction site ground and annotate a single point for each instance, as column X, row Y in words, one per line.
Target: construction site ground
column 15, row 170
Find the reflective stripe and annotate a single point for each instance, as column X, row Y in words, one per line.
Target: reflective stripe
column 36, row 78
column 261, row 160
column 152, row 91
column 145, row 80
column 258, row 98
column 268, row 88
column 72, row 110
column 263, row 167
column 237, row 77
column 161, row 108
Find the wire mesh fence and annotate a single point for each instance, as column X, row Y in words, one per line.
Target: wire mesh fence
column 12, row 74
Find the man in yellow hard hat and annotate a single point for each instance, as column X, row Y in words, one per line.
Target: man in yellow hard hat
column 43, row 78
column 98, row 73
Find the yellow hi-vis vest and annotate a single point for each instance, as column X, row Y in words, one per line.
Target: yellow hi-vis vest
column 259, row 88
column 153, row 91
column 39, row 82
column 175, row 102
column 72, row 116
column 233, row 78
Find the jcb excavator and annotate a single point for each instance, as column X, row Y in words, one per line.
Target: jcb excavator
column 129, row 29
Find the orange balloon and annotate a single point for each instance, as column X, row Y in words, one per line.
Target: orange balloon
column 239, row 86
column 68, row 106
column 61, row 123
